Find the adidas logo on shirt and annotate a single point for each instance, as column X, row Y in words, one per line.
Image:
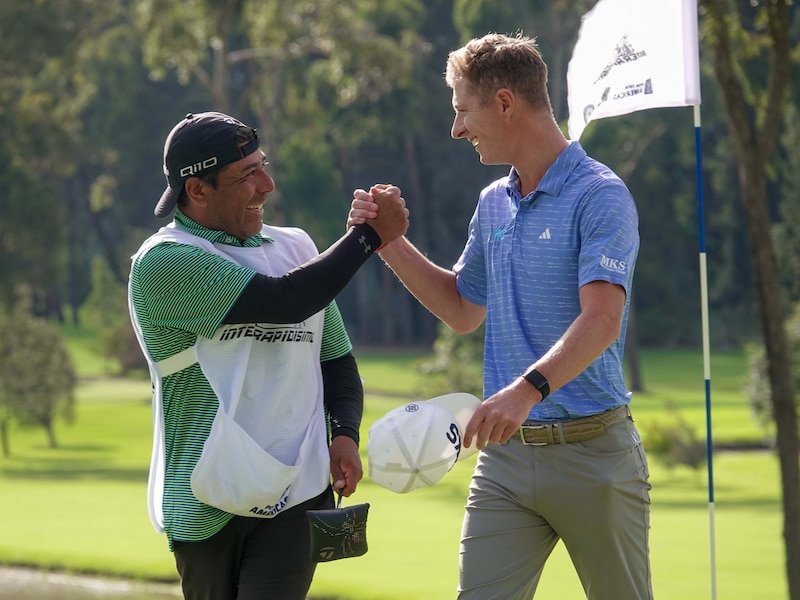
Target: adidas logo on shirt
column 545, row 234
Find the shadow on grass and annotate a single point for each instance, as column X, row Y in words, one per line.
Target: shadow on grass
column 99, row 448
column 74, row 471
column 766, row 505
column 72, row 462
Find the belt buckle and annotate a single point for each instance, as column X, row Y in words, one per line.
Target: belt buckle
column 538, row 426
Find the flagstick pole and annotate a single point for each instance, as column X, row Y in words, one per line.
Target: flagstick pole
column 706, row 346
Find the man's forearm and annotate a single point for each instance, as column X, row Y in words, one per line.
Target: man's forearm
column 306, row 289
column 433, row 286
column 343, row 396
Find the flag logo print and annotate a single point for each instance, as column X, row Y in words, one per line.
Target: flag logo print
column 545, row 235
column 623, row 53
column 633, row 55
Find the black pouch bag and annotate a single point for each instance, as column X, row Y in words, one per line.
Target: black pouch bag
column 338, row 532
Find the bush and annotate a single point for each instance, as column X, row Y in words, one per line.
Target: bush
column 674, row 442
column 37, row 377
column 758, row 387
column 456, row 366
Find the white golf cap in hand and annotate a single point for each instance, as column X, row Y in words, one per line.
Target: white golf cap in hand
column 416, row 444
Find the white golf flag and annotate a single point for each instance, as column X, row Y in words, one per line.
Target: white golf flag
column 633, row 55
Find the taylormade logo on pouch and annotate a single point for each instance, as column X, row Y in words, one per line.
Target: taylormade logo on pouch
column 327, row 552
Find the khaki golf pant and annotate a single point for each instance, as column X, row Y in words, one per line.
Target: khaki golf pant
column 593, row 495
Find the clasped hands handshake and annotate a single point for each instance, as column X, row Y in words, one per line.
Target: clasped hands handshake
column 383, row 208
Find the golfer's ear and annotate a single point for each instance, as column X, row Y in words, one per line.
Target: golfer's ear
column 505, row 100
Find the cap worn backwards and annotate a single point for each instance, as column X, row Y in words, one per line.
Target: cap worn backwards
column 200, row 143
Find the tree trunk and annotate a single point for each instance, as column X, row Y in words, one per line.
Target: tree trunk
column 4, row 442
column 754, row 194
column 77, row 263
column 754, row 130
column 51, row 434
column 632, row 353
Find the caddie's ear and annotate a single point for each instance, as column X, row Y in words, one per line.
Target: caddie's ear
column 196, row 191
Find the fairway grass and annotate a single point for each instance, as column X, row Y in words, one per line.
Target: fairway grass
column 82, row 507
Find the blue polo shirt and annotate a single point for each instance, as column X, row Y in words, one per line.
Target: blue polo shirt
column 525, row 260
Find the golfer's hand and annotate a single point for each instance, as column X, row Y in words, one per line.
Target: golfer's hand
column 499, row 416
column 346, row 469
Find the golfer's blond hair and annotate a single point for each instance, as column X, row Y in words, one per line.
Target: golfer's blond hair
column 498, row 61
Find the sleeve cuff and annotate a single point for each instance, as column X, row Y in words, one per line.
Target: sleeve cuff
column 347, row 431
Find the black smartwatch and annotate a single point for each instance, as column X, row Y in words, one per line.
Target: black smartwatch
column 538, row 381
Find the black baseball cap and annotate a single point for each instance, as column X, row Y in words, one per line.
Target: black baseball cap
column 200, row 143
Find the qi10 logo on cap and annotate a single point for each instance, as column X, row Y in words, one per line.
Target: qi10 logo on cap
column 198, row 166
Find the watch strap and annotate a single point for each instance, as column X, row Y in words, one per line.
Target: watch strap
column 538, row 381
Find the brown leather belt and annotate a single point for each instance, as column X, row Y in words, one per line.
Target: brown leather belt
column 543, row 433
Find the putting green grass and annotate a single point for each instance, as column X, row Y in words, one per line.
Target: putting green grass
column 82, row 508
column 414, row 537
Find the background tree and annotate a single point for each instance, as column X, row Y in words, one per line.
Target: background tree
column 37, row 378
column 787, row 247
column 744, row 39
column 758, row 386
column 260, row 60
column 33, row 126
column 76, row 103
column 312, row 77
column 787, row 230
column 106, row 311
column 354, row 93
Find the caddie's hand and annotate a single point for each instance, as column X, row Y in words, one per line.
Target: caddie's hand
column 346, row 469
column 499, row 416
column 391, row 216
column 362, row 207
